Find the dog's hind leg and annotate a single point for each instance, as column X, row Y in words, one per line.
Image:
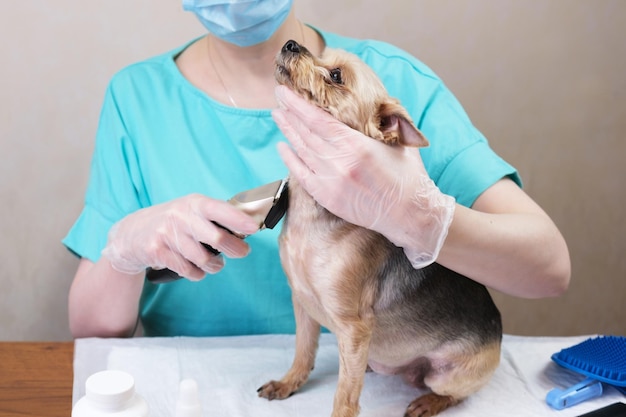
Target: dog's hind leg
column 453, row 375
column 307, row 337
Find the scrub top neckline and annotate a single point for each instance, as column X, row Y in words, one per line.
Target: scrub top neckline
column 171, row 63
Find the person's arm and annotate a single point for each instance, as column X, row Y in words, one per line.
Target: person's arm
column 104, row 296
column 507, row 242
column 102, row 301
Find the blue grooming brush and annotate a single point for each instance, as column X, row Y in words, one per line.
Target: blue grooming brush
column 601, row 359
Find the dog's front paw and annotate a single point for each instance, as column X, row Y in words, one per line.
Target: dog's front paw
column 276, row 390
column 429, row 405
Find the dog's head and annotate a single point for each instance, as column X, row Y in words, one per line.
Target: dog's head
column 343, row 85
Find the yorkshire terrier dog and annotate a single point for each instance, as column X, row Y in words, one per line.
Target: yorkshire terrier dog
column 438, row 329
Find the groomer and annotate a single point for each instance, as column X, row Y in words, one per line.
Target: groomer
column 185, row 130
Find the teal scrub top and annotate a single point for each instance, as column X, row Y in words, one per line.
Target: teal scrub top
column 160, row 138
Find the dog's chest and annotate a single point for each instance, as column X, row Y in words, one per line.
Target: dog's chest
column 309, row 231
column 310, row 252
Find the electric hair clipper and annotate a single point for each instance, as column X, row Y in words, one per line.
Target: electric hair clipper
column 267, row 204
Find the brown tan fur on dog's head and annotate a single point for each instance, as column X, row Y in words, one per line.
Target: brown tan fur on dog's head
column 343, row 85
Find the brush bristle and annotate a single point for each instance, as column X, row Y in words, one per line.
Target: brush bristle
column 602, row 358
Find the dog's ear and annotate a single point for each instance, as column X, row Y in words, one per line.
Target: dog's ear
column 397, row 127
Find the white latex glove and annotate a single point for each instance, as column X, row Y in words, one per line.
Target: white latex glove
column 168, row 235
column 363, row 181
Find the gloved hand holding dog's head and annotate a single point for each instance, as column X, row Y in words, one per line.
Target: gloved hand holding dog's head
column 366, row 182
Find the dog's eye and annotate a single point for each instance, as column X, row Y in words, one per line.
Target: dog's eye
column 335, row 75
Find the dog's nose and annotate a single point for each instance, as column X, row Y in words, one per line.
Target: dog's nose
column 291, row 46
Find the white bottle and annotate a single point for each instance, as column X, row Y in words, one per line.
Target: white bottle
column 188, row 404
column 110, row 394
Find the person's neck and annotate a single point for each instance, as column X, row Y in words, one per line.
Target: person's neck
column 243, row 77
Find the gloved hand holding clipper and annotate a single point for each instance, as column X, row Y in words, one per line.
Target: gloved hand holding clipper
column 168, row 235
column 364, row 181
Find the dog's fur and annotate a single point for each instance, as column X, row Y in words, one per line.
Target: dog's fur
column 439, row 329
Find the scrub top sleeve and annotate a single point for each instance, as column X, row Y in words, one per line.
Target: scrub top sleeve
column 113, row 182
column 473, row 171
column 459, row 158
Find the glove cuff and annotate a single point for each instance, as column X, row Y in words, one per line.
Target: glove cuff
column 433, row 212
column 116, row 257
column 427, row 255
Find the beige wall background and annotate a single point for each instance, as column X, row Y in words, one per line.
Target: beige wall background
column 544, row 80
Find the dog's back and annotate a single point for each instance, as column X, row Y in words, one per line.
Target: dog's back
column 418, row 311
column 434, row 302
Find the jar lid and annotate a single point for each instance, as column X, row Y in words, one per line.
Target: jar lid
column 110, row 389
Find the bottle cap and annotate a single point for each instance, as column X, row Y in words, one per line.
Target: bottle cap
column 110, row 389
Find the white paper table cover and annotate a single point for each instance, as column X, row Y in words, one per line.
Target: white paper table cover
column 229, row 370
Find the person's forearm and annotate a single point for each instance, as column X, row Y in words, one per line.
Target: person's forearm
column 103, row 302
column 520, row 254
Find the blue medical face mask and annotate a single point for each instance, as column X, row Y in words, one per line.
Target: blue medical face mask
column 241, row 22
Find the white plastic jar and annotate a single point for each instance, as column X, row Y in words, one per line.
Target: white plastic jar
column 110, row 394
